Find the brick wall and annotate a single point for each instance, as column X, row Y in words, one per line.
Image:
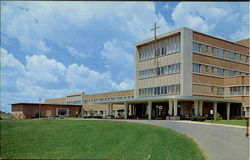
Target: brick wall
column 220, row 43
column 28, row 110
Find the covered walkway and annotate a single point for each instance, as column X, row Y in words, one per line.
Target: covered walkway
column 175, row 107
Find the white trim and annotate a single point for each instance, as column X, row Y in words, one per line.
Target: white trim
column 220, row 67
column 223, row 49
column 208, row 75
column 205, row 84
column 209, row 95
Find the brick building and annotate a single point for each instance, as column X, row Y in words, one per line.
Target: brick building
column 28, row 110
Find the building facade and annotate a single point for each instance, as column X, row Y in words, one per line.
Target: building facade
column 89, row 106
column 189, row 73
column 31, row 110
column 181, row 73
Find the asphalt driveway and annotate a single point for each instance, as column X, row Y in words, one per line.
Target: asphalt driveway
column 220, row 142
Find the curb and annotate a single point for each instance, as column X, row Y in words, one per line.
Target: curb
column 214, row 124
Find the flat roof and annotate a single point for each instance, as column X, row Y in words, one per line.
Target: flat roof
column 166, row 98
column 160, row 36
column 46, row 104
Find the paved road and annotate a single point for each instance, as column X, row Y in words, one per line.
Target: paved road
column 220, row 142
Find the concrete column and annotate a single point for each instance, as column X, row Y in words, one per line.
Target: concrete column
column 200, row 107
column 108, row 110
column 125, row 110
column 149, row 109
column 111, row 109
column 196, row 108
column 175, row 107
column 228, row 111
column 215, row 110
column 130, row 110
column 170, row 107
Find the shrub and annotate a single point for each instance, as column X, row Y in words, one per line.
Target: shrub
column 218, row 116
column 194, row 118
column 202, row 118
column 36, row 115
column 198, row 118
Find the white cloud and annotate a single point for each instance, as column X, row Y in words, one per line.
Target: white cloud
column 25, row 82
column 91, row 81
column 214, row 18
column 40, row 21
column 75, row 53
column 40, row 68
column 118, row 61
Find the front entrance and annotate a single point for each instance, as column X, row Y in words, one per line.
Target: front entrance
column 158, row 111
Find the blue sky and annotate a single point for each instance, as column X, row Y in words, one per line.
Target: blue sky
column 50, row 49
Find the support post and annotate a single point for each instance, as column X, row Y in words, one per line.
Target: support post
column 175, row 107
column 170, row 107
column 196, row 108
column 228, row 111
column 215, row 110
column 149, row 109
column 111, row 109
column 200, row 107
column 125, row 110
column 108, row 109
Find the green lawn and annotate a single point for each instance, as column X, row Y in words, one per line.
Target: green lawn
column 231, row 122
column 82, row 139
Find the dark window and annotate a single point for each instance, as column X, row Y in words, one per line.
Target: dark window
column 196, row 47
column 158, row 71
column 162, row 51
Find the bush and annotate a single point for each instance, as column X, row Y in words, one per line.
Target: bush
column 194, row 118
column 218, row 116
column 36, row 115
column 202, row 118
column 198, row 118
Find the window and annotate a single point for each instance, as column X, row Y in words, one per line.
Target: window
column 172, row 68
column 165, row 90
column 178, row 43
column 220, row 72
column 196, row 68
column 247, row 57
column 162, row 52
column 177, row 89
column 158, row 71
column 212, row 69
column 212, row 88
column 158, row 51
column 206, row 47
column 162, row 90
column 196, row 47
column 232, row 56
column 231, row 73
column 221, row 53
column 177, row 68
column 101, row 113
column 86, row 102
column 206, row 68
column 62, row 111
column 220, row 91
column 247, row 90
column 235, row 90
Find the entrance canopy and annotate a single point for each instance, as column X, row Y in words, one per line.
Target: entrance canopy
column 166, row 98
